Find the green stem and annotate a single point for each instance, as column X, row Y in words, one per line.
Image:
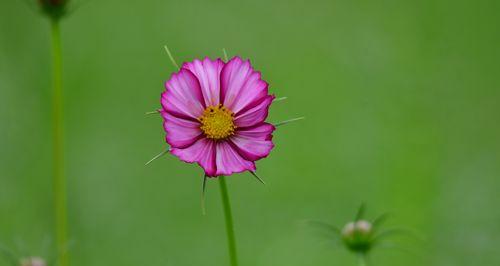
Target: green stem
column 362, row 260
column 231, row 241
column 59, row 181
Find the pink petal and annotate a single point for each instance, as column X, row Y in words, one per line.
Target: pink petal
column 262, row 131
column 208, row 74
column 180, row 132
column 183, row 95
column 228, row 161
column 255, row 115
column 241, row 85
column 254, row 143
column 201, row 152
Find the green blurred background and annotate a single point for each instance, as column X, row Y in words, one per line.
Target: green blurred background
column 402, row 100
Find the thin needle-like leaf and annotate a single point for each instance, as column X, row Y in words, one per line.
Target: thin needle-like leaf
column 257, row 177
column 397, row 231
column 203, row 189
column 323, row 225
column 157, row 156
column 153, row 112
column 377, row 222
column 280, row 99
column 392, row 245
column 226, row 58
column 171, row 57
column 360, row 213
column 288, row 121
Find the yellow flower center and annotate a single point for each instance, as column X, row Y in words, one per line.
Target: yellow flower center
column 217, row 122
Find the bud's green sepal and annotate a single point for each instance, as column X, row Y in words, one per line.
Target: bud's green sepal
column 55, row 9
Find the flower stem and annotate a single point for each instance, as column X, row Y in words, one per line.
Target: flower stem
column 362, row 260
column 231, row 241
column 59, row 181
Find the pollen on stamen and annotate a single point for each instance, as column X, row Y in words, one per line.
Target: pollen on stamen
column 217, row 122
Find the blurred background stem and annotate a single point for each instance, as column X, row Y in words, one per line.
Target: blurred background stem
column 59, row 181
column 231, row 241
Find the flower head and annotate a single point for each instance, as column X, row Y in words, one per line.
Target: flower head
column 214, row 114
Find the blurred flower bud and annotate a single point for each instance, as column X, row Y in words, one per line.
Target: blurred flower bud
column 33, row 261
column 358, row 236
column 361, row 236
column 55, row 9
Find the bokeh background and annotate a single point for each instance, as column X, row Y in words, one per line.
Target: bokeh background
column 402, row 100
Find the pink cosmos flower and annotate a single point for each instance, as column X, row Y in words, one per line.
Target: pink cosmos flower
column 214, row 114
